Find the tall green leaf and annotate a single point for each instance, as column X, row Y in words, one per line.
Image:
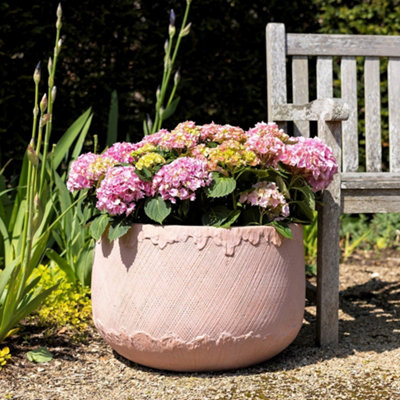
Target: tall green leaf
column 112, row 128
column 65, row 143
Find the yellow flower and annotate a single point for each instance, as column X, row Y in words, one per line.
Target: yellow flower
column 149, row 160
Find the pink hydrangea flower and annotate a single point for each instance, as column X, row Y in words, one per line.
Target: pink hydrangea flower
column 181, row 178
column 267, row 195
column 312, row 159
column 219, row 133
column 155, row 138
column 121, row 151
column 79, row 177
column 268, row 141
column 184, row 136
column 120, row 190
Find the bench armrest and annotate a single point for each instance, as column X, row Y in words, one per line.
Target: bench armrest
column 317, row 110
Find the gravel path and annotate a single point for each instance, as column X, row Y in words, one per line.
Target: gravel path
column 365, row 365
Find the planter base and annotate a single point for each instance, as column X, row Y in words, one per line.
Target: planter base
column 199, row 298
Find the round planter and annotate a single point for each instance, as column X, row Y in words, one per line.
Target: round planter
column 196, row 298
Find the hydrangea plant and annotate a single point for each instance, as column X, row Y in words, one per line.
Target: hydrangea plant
column 217, row 175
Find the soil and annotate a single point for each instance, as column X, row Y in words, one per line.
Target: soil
column 364, row 365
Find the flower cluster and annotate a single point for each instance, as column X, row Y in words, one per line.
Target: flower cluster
column 312, row 159
column 267, row 196
column 250, row 174
column 181, row 179
column 120, row 190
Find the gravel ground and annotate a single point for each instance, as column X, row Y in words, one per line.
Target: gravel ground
column 365, row 365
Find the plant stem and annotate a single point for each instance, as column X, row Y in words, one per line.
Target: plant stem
column 168, row 67
column 49, row 124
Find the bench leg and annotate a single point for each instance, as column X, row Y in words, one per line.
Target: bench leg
column 328, row 272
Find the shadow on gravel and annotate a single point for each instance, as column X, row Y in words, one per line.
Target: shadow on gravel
column 372, row 324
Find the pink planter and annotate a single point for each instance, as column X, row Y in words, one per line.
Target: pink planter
column 196, row 298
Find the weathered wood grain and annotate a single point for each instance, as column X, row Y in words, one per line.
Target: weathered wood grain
column 300, row 92
column 343, row 45
column 317, row 110
column 328, row 254
column 394, row 113
column 348, row 79
column 379, row 201
column 373, row 146
column 370, row 180
column 276, row 68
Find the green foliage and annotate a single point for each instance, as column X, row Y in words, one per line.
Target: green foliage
column 27, row 213
column 68, row 307
column 157, row 209
column 39, row 355
column 221, row 186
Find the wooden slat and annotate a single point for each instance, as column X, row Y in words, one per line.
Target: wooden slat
column 370, row 180
column 394, row 113
column 343, row 45
column 300, row 91
column 324, row 78
column 276, row 68
column 379, row 201
column 373, row 146
column 348, row 72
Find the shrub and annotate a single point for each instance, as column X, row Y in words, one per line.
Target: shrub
column 68, row 307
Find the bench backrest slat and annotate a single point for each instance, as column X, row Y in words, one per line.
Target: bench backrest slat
column 276, row 67
column 372, row 90
column 348, row 79
column 394, row 113
column 300, row 91
column 342, row 45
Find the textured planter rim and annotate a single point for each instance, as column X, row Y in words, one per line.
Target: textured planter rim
column 190, row 348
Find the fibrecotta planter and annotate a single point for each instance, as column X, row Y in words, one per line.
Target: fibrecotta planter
column 197, row 298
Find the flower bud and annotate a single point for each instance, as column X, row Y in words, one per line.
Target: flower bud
column 50, row 65
column 177, row 78
column 59, row 11
column 58, row 47
column 158, row 92
column 32, row 156
column 186, row 30
column 36, row 74
column 172, row 18
column 171, row 30
column 166, row 44
column 43, row 121
column 53, row 94
column 59, row 15
column 43, row 103
column 35, row 111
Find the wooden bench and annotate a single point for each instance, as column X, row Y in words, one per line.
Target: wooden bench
column 352, row 191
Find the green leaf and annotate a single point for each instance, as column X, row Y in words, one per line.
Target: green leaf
column 62, row 263
column 65, row 143
column 307, row 203
column 98, row 226
column 218, row 216
column 112, row 128
column 283, row 229
column 40, row 355
column 84, row 265
column 144, row 174
column 233, row 216
column 170, row 109
column 117, row 230
column 157, row 209
column 221, row 186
